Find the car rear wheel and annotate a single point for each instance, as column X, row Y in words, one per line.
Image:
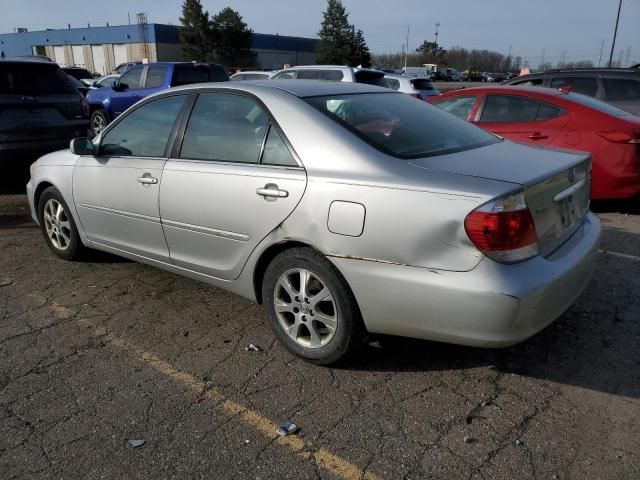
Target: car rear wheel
column 59, row 229
column 99, row 121
column 311, row 307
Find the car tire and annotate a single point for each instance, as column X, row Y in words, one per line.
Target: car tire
column 57, row 225
column 98, row 122
column 298, row 320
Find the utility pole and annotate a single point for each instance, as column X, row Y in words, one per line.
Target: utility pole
column 509, row 55
column 564, row 53
column 600, row 58
column 615, row 33
column 437, row 26
column 542, row 62
column 406, row 52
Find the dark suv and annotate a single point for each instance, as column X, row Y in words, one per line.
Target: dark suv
column 619, row 86
column 40, row 109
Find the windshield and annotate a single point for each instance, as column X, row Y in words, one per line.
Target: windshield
column 402, row 126
column 599, row 105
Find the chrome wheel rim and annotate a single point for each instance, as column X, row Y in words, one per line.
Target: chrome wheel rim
column 98, row 124
column 305, row 308
column 57, row 225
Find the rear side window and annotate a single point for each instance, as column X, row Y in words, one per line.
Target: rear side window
column 547, row 112
column 276, row 151
column 392, row 83
column 509, row 108
column 308, row 75
column 33, row 79
column 459, row 106
column 132, row 78
column 331, row 75
column 256, row 76
column 371, row 78
column 156, row 76
column 225, row 127
column 621, row 88
column 421, row 84
column 284, row 75
column 145, row 131
column 584, row 85
column 396, row 124
column 188, row 73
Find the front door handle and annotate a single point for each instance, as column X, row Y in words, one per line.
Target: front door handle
column 147, row 179
column 537, row 136
column 272, row 190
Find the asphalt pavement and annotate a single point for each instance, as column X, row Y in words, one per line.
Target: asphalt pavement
column 97, row 353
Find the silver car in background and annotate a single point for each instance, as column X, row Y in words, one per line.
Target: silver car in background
column 418, row 87
column 343, row 208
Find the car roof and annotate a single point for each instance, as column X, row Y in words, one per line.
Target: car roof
column 29, row 61
column 550, row 92
column 579, row 71
column 299, row 88
column 302, row 67
column 262, row 72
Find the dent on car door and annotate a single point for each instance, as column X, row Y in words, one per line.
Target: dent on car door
column 522, row 119
column 234, row 180
column 116, row 191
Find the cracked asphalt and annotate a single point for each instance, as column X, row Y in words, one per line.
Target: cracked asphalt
column 98, row 352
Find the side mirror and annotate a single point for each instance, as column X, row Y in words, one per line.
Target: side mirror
column 82, row 146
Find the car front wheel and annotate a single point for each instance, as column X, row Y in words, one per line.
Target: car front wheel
column 311, row 307
column 99, row 122
column 59, row 229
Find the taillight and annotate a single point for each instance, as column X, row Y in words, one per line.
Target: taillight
column 503, row 229
column 621, row 136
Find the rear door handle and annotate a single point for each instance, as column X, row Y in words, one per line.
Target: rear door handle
column 272, row 190
column 537, row 136
column 147, row 179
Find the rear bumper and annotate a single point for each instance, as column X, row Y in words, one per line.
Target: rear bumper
column 492, row 305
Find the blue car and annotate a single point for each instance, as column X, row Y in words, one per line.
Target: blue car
column 145, row 79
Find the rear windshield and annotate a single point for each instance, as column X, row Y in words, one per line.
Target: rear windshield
column 78, row 73
column 598, row 105
column 402, row 126
column 187, row 74
column 33, row 79
column 421, row 84
column 371, row 78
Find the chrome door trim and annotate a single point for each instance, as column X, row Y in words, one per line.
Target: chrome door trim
column 241, row 237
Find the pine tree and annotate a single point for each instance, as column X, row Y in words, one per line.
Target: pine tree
column 196, row 31
column 360, row 54
column 335, row 35
column 231, row 38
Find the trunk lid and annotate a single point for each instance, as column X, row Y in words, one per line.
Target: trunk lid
column 556, row 183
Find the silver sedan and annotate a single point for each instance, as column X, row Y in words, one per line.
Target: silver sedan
column 342, row 208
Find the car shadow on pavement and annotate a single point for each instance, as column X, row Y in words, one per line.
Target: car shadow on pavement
column 630, row 207
column 594, row 345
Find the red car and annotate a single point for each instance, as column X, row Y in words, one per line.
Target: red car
column 543, row 116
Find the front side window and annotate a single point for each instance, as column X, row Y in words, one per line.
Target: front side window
column 225, row 127
column 145, row 131
column 398, row 125
column 131, row 79
column 583, row 85
column 331, row 75
column 156, row 76
column 460, row 106
column 617, row 89
column 308, row 75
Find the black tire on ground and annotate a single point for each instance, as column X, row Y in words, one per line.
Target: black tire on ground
column 349, row 332
column 61, row 223
column 98, row 122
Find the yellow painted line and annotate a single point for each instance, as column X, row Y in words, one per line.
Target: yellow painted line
column 621, row 255
column 330, row 462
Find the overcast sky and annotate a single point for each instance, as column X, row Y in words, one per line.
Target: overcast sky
column 573, row 28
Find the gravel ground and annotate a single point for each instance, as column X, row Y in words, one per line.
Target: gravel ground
column 99, row 352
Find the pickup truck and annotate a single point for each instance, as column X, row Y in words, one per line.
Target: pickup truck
column 107, row 103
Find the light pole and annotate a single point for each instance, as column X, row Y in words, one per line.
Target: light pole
column 437, row 26
column 615, row 32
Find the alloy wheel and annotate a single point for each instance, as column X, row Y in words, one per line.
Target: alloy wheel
column 305, row 308
column 98, row 124
column 57, row 224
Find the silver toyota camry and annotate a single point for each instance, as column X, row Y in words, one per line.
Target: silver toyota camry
column 345, row 209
